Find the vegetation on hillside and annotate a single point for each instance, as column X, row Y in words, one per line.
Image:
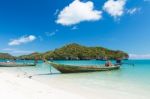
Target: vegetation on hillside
column 6, row 56
column 77, row 52
column 31, row 56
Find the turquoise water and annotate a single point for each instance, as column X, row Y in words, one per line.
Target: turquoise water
column 128, row 79
column 140, row 72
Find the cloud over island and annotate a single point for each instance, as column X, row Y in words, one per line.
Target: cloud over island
column 114, row 7
column 139, row 56
column 22, row 40
column 77, row 12
column 17, row 52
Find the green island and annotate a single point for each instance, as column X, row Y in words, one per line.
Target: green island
column 6, row 56
column 73, row 52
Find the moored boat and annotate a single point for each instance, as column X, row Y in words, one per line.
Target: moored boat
column 3, row 64
column 77, row 69
column 13, row 63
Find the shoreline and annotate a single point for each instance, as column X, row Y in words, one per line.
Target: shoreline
column 19, row 86
column 16, row 83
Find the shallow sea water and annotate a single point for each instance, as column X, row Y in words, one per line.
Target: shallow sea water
column 129, row 82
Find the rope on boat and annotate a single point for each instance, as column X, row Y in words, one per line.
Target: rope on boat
column 46, row 61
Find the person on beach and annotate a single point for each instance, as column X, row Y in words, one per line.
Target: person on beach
column 108, row 63
column 118, row 61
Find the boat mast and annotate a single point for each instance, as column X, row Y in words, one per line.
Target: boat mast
column 50, row 69
column 36, row 60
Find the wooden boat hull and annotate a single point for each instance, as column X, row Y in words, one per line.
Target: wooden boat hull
column 78, row 69
column 15, row 65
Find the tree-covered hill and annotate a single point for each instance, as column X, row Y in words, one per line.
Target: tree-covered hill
column 78, row 52
column 31, row 56
column 6, row 56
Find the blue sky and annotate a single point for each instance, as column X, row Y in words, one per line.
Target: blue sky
column 41, row 25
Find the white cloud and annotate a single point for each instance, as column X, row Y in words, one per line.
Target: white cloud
column 78, row 12
column 74, row 28
column 133, row 10
column 22, row 40
column 7, row 49
column 140, row 56
column 51, row 33
column 115, row 7
column 16, row 51
column 56, row 12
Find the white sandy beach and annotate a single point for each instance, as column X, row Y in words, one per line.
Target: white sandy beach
column 19, row 86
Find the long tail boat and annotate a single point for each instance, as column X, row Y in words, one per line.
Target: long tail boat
column 13, row 63
column 77, row 69
column 4, row 64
